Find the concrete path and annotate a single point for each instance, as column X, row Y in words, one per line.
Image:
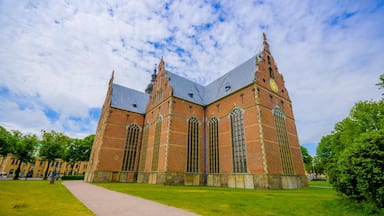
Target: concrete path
column 104, row 202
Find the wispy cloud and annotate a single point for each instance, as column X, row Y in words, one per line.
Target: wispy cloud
column 56, row 57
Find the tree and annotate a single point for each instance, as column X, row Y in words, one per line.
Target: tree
column 353, row 153
column 359, row 172
column 307, row 159
column 318, row 166
column 24, row 149
column 381, row 83
column 5, row 142
column 86, row 147
column 78, row 150
column 52, row 146
column 364, row 116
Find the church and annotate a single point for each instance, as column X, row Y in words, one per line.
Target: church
column 238, row 131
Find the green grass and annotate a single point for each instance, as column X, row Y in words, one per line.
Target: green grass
column 319, row 183
column 226, row 201
column 38, row 198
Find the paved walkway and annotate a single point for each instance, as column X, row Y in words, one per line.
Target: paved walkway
column 105, row 202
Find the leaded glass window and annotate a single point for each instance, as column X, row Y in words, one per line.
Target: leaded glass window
column 130, row 149
column 156, row 145
column 239, row 157
column 213, row 148
column 193, row 146
column 282, row 139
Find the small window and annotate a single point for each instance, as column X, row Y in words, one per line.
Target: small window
column 190, row 95
column 227, row 86
column 134, row 105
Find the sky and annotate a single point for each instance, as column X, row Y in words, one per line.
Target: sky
column 56, row 57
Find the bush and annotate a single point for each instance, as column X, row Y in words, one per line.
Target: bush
column 319, row 179
column 359, row 170
column 73, row 177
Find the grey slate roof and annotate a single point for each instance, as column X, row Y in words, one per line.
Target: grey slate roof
column 128, row 99
column 230, row 82
column 186, row 89
column 239, row 77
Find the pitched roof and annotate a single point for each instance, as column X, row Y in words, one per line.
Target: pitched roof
column 186, row 89
column 239, row 77
column 230, row 82
column 128, row 99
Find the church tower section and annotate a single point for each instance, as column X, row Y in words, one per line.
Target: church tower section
column 283, row 164
column 115, row 152
column 173, row 144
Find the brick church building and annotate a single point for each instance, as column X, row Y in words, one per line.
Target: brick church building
column 238, row 131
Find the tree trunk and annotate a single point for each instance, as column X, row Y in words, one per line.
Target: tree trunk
column 17, row 172
column 46, row 171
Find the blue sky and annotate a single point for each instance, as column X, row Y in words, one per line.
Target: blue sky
column 56, row 56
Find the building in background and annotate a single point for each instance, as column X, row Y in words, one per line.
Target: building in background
column 238, row 131
column 36, row 169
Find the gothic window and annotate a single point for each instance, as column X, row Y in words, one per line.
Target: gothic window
column 282, row 139
column 130, row 149
column 143, row 155
column 239, row 157
column 193, row 146
column 213, row 148
column 156, row 145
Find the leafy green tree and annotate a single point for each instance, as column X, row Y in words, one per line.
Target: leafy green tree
column 86, row 147
column 381, row 83
column 318, row 166
column 78, row 150
column 24, row 149
column 5, row 142
column 52, row 147
column 307, row 159
column 351, row 154
column 359, row 172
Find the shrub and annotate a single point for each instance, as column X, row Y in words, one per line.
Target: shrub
column 73, row 177
column 359, row 170
column 319, row 179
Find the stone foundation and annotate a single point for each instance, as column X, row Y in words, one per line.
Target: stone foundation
column 257, row 181
column 113, row 176
column 246, row 181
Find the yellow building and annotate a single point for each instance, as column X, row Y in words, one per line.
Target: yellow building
column 36, row 169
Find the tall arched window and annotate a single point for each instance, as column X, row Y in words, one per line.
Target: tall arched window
column 156, row 145
column 130, row 149
column 239, row 156
column 282, row 139
column 143, row 154
column 213, row 148
column 193, row 146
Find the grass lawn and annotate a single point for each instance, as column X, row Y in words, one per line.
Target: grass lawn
column 227, row 201
column 319, row 183
column 38, row 198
